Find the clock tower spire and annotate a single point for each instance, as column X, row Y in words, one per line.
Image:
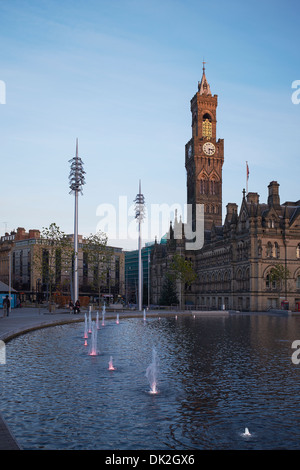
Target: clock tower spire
column 204, row 156
column 203, row 86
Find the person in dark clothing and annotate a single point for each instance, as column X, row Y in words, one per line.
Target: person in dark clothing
column 76, row 307
column 6, row 306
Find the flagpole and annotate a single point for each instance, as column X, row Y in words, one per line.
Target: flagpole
column 247, row 177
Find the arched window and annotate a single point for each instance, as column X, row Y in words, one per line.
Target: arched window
column 202, row 186
column 298, row 282
column 213, row 287
column 275, row 250
column 239, row 279
column 206, row 126
column 271, row 223
column 270, row 284
column 269, row 250
column 212, row 188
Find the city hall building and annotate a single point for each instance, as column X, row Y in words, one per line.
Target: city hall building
column 233, row 266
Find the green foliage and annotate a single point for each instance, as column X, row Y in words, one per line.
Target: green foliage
column 168, row 294
column 98, row 256
column 280, row 274
column 182, row 269
column 52, row 254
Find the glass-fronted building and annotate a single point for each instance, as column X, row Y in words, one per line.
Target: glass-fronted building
column 132, row 274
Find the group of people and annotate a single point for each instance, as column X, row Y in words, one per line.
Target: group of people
column 6, row 306
column 75, row 308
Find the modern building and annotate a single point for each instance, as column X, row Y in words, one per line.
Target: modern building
column 132, row 274
column 233, row 268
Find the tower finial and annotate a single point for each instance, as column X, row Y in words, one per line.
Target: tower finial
column 203, row 86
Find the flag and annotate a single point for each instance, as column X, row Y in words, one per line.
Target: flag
column 247, row 171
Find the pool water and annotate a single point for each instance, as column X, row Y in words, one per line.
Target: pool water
column 216, row 376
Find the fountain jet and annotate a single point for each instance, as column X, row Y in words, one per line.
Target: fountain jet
column 110, row 364
column 151, row 373
column 246, row 433
column 93, row 348
column 90, row 321
column 85, row 327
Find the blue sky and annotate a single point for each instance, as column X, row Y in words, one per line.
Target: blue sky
column 119, row 76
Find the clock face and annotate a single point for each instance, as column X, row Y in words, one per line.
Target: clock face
column 209, row 148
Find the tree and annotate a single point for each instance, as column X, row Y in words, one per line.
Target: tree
column 168, row 294
column 279, row 274
column 182, row 270
column 98, row 256
column 52, row 255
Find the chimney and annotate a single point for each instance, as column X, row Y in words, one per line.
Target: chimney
column 21, row 234
column 231, row 208
column 33, row 233
column 273, row 199
column 253, row 198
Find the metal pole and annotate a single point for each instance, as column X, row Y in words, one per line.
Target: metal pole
column 76, row 248
column 139, row 210
column 9, row 280
column 76, row 180
column 140, row 267
column 148, row 279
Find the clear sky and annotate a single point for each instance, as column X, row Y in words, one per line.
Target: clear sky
column 119, row 76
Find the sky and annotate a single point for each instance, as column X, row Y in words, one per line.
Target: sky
column 119, row 76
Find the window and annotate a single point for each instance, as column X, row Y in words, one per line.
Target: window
column 275, row 250
column 298, row 251
column 206, row 126
column 270, row 284
column 269, row 250
column 202, row 186
column 271, row 223
column 45, row 266
column 298, row 282
column 57, row 266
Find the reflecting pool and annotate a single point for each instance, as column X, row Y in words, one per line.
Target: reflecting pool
column 215, row 377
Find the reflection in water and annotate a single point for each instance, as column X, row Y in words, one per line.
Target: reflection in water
column 218, row 377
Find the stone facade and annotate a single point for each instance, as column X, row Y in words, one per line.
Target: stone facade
column 17, row 254
column 233, row 266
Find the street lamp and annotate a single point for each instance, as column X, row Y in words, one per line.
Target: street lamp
column 139, row 215
column 76, row 181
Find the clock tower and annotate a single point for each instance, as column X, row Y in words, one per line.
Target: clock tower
column 204, row 157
